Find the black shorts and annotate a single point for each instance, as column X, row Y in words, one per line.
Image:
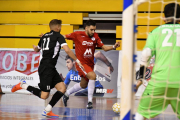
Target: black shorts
column 49, row 77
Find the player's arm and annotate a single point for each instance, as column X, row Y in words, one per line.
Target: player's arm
column 148, row 51
column 100, row 56
column 146, row 55
column 37, row 48
column 107, row 48
column 104, row 47
column 64, row 36
column 71, row 54
column 71, row 36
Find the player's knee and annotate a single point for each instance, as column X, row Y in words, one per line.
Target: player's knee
column 63, row 90
column 83, row 85
column 91, row 76
column 61, row 87
column 44, row 96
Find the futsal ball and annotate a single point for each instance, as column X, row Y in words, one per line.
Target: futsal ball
column 116, row 107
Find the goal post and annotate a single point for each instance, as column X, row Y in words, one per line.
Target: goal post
column 127, row 60
column 163, row 41
column 128, row 57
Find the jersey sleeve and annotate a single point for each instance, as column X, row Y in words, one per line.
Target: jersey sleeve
column 99, row 42
column 61, row 40
column 67, row 80
column 71, row 36
column 150, row 43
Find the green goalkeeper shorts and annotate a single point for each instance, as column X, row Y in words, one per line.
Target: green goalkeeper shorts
column 156, row 99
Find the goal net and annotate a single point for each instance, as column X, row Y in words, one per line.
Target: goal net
column 145, row 25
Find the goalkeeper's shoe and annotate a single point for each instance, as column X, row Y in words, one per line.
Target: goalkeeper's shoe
column 18, row 86
column 49, row 114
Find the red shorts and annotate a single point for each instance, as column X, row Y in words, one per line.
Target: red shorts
column 83, row 73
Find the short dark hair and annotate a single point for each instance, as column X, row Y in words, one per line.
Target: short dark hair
column 55, row 22
column 68, row 57
column 169, row 10
column 90, row 22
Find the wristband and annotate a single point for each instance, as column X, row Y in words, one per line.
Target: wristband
column 77, row 61
column 114, row 47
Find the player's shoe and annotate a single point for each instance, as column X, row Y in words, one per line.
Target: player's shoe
column 49, row 114
column 65, row 99
column 18, row 86
column 89, row 105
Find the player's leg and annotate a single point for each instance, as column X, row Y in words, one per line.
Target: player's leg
column 91, row 86
column 82, row 93
column 90, row 76
column 58, row 83
column 148, row 103
column 75, row 88
column 174, row 93
column 45, row 75
column 37, row 92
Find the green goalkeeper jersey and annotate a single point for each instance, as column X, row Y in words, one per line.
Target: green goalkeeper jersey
column 164, row 42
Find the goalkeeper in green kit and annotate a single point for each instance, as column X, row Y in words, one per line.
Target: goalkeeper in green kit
column 164, row 86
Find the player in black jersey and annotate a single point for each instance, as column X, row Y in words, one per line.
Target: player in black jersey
column 50, row 44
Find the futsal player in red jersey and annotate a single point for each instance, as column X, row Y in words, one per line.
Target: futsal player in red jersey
column 85, row 44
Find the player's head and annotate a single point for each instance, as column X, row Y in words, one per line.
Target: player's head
column 70, row 63
column 55, row 25
column 90, row 27
column 172, row 10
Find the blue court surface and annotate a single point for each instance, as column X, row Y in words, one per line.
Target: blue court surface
column 34, row 112
column 30, row 107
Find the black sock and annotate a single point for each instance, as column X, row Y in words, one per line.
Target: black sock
column 56, row 98
column 34, row 91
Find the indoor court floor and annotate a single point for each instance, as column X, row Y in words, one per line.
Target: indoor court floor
column 29, row 107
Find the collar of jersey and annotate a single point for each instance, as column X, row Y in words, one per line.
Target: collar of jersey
column 54, row 31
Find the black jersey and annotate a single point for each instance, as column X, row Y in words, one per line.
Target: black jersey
column 50, row 44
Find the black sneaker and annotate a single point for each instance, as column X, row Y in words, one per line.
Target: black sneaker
column 89, row 105
column 65, row 99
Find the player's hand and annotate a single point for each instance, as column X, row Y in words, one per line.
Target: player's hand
column 117, row 44
column 110, row 69
column 35, row 47
column 41, row 35
column 80, row 65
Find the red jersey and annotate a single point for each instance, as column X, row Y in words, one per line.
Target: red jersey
column 85, row 46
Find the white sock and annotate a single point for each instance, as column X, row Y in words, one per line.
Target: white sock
column 24, row 86
column 48, row 108
column 139, row 117
column 91, row 86
column 73, row 89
